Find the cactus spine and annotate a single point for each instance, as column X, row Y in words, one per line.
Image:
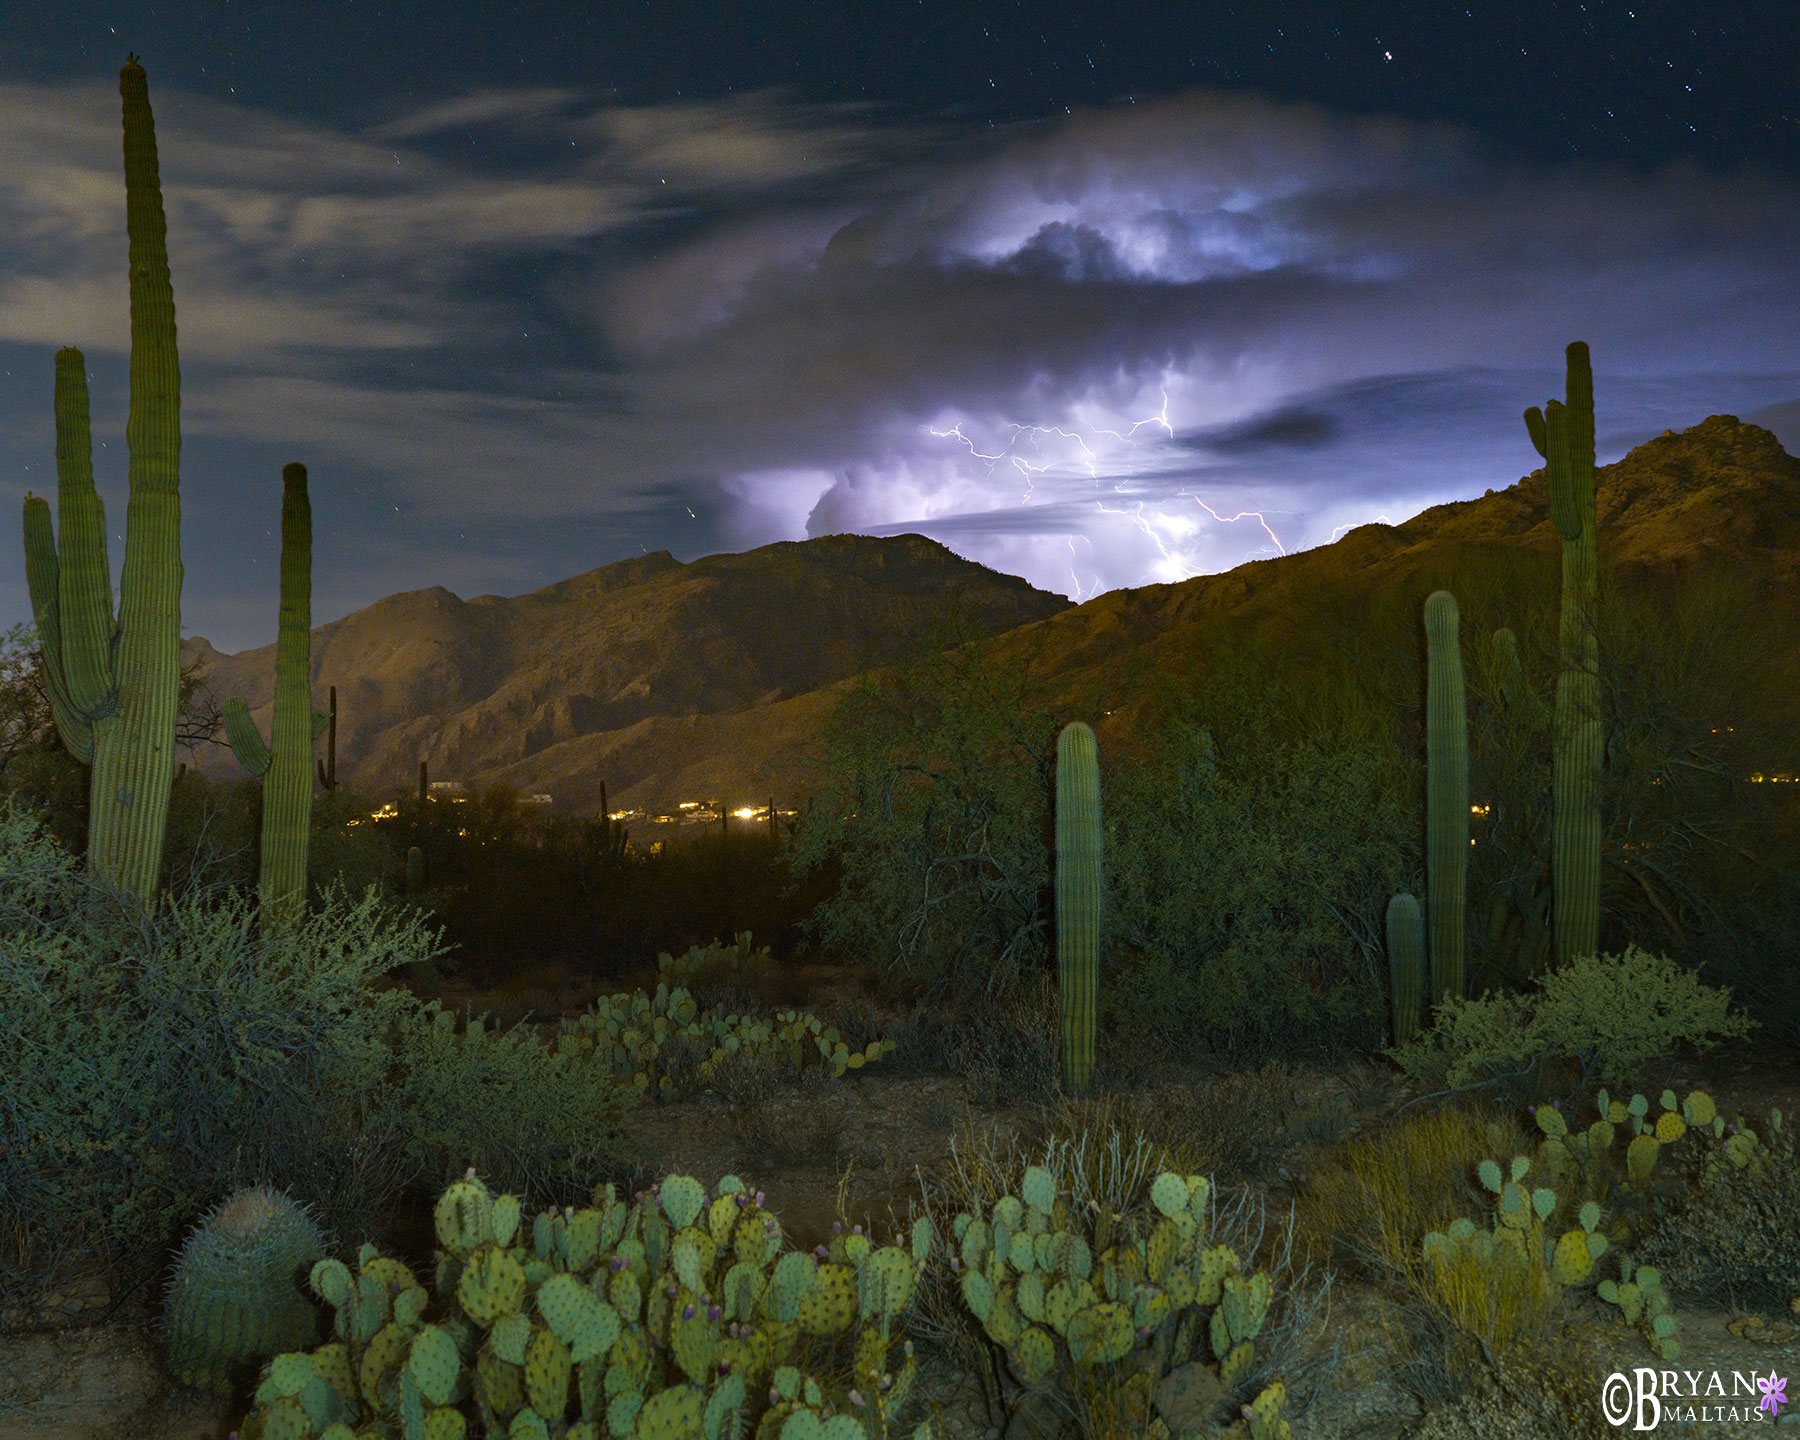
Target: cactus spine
column 1447, row 795
column 1080, row 891
column 1564, row 436
column 115, row 689
column 286, row 770
column 1406, row 965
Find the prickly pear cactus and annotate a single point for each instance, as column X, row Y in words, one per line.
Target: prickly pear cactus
column 672, row 1316
column 235, row 1296
column 669, row 1048
column 1059, row 1293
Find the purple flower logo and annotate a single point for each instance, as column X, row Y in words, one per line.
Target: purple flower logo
column 1774, row 1392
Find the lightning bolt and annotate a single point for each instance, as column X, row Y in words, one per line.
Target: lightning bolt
column 1256, row 515
column 1344, row 529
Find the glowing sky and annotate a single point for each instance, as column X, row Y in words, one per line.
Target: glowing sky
column 1098, row 303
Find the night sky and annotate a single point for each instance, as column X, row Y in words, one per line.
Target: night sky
column 1102, row 296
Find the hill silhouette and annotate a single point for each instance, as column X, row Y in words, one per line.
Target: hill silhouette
column 676, row 682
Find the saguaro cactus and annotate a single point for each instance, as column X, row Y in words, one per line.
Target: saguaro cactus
column 286, row 766
column 1080, row 892
column 1564, row 436
column 328, row 766
column 115, row 689
column 1446, row 795
column 1406, row 965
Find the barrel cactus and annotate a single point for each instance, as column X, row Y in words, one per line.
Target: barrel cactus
column 237, row 1296
column 1080, row 889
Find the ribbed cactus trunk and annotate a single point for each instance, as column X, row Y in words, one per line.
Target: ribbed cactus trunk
column 1446, row 796
column 1080, row 893
column 285, row 766
column 1564, row 436
column 288, row 787
column 328, row 766
column 1406, row 965
column 115, row 689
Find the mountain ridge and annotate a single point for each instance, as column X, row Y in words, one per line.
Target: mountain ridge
column 688, row 709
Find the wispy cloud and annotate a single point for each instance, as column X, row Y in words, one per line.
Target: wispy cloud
column 1128, row 346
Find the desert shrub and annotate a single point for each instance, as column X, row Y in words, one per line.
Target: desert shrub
column 540, row 1121
column 935, row 806
column 1244, row 891
column 155, row 1064
column 1733, row 1235
column 716, row 974
column 1611, row 1014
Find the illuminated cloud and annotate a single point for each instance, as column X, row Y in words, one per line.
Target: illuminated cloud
column 519, row 333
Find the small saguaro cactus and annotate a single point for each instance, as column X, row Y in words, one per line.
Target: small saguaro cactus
column 115, row 688
column 1447, row 796
column 328, row 766
column 286, row 770
column 415, row 870
column 1406, row 965
column 1080, row 892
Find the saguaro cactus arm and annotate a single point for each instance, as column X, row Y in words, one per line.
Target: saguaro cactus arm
column 84, row 584
column 41, row 572
column 246, row 740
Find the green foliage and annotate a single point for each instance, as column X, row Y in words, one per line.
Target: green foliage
column 677, row 1317
column 936, row 805
column 666, row 1047
column 1247, row 887
column 716, row 973
column 1610, row 1013
column 500, row 1099
column 212, row 1056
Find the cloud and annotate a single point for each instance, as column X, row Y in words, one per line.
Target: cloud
column 1125, row 346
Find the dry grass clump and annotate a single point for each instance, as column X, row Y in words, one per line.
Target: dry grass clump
column 1379, row 1191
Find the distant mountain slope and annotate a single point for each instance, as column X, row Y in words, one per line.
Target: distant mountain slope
column 693, row 682
column 540, row 686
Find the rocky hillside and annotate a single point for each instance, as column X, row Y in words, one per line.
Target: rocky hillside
column 652, row 675
column 691, row 682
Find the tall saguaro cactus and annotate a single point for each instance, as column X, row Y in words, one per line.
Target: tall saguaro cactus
column 1564, row 436
column 1446, row 795
column 1080, row 893
column 115, row 688
column 286, row 766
